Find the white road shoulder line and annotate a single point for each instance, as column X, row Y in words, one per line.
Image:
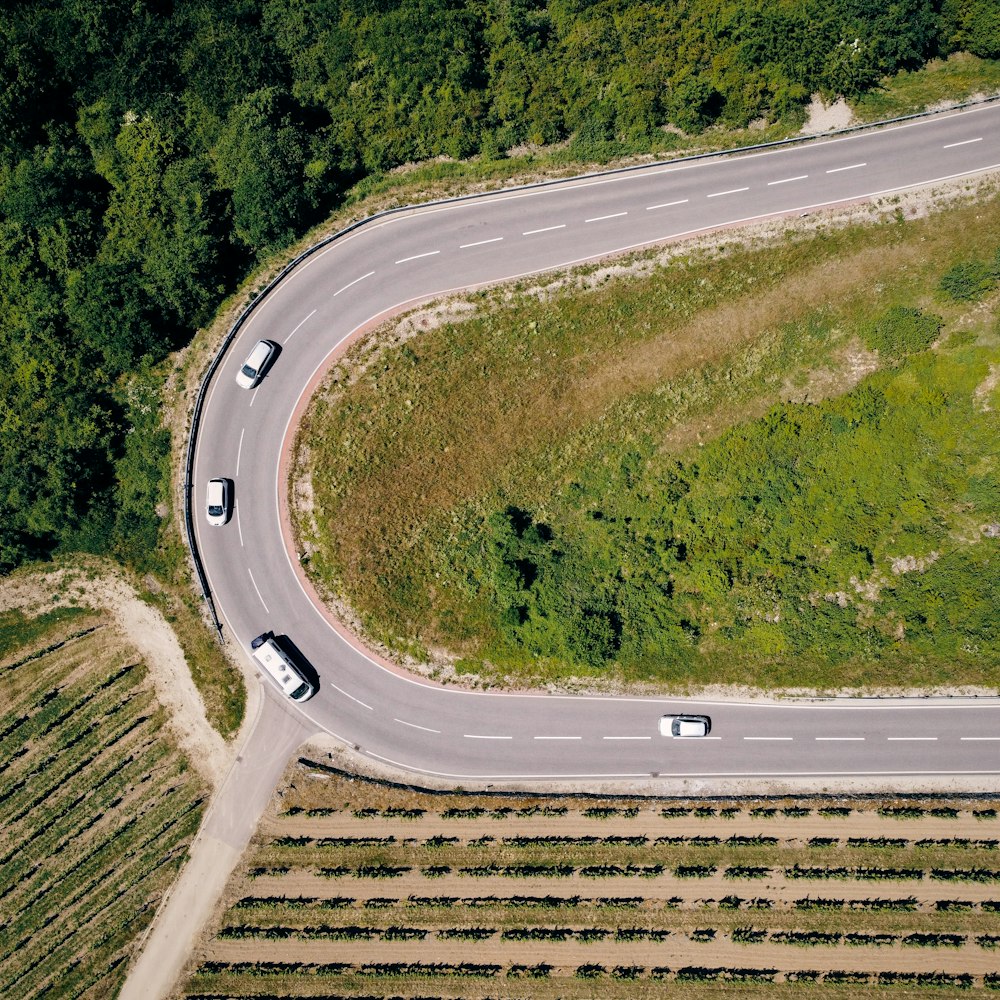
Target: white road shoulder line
column 852, row 166
column 296, row 330
column 601, row 218
column 239, row 450
column 667, row 204
column 720, row 194
column 351, row 284
column 788, row 180
column 546, row 229
column 480, row 243
column 351, row 696
column 474, row 736
column 413, row 725
column 964, row 142
column 255, row 587
column 418, row 256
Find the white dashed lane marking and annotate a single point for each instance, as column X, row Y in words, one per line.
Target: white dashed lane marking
column 839, row 739
column 911, row 739
column 667, row 204
column 239, row 450
column 770, row 738
column 296, row 330
column 480, row 243
column 473, row 736
column 255, row 587
column 626, row 737
column 964, row 142
column 601, row 218
column 720, row 194
column 413, row 725
column 853, row 166
column 418, row 256
column 546, row 229
column 557, row 737
column 351, row 284
column 788, row 180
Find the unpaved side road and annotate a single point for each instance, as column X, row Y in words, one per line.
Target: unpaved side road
column 275, row 735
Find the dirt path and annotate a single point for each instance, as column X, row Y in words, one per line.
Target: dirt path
column 148, row 631
column 228, row 825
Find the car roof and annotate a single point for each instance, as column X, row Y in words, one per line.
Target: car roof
column 261, row 350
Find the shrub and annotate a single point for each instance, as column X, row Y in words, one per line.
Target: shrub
column 831, row 811
column 748, row 935
column 967, row 281
column 627, row 971
column 695, row 871
column 984, row 813
column 590, row 971
column 746, row 871
column 900, row 331
column 921, row 940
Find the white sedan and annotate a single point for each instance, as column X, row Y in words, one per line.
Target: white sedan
column 685, row 726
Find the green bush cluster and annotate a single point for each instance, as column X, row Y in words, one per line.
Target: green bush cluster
column 777, row 541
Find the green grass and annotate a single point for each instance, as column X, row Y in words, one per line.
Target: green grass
column 956, row 78
column 552, row 487
column 99, row 807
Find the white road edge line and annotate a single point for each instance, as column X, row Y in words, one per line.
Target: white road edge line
column 788, row 180
column 296, row 330
column 626, row 737
column 351, row 284
column 255, row 587
column 418, row 256
column 853, row 166
column 480, row 243
column 239, row 524
column 239, row 450
column 413, row 725
column 546, row 229
column 647, row 700
column 557, row 737
column 473, row 736
column 719, row 194
column 601, row 218
column 667, row 204
column 965, row 142
column 347, row 694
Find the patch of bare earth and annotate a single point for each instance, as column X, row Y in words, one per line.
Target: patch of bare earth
column 144, row 628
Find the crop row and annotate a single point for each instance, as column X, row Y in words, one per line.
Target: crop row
column 543, row 841
column 688, row 973
column 739, row 935
column 554, row 870
column 631, row 812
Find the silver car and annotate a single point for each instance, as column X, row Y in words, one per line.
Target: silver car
column 685, row 726
column 255, row 366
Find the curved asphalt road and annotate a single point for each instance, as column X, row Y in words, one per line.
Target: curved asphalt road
column 422, row 253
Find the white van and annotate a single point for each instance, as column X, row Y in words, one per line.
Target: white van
column 280, row 668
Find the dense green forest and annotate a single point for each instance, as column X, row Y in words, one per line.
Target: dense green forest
column 151, row 152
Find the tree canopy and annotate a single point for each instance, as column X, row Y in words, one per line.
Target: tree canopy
column 151, row 150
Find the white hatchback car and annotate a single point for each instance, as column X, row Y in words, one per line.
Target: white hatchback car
column 685, row 726
column 255, row 366
column 217, row 501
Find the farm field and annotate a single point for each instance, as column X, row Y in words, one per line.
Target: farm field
column 354, row 888
column 98, row 805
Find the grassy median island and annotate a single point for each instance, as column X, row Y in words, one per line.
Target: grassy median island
column 98, row 805
column 742, row 464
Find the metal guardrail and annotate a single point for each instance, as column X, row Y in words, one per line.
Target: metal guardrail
column 326, row 241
